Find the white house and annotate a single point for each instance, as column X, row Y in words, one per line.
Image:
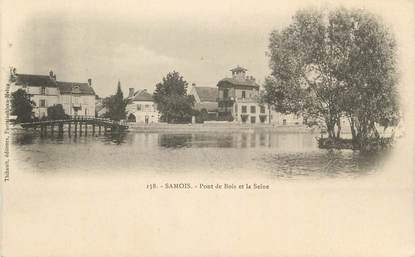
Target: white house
column 45, row 91
column 77, row 98
column 278, row 118
column 141, row 107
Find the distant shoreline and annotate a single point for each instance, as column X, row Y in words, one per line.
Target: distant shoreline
column 218, row 127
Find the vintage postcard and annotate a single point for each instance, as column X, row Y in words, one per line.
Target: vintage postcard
column 207, row 128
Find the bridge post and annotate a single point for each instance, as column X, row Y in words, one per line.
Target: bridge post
column 86, row 128
column 52, row 128
column 61, row 128
column 99, row 129
column 93, row 129
column 69, row 129
column 76, row 128
column 41, row 130
column 80, row 128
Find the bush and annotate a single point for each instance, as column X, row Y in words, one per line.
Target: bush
column 56, row 112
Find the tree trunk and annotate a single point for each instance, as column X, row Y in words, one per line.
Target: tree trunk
column 339, row 128
column 352, row 127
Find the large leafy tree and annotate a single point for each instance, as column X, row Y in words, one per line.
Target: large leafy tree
column 329, row 64
column 22, row 105
column 116, row 105
column 172, row 100
column 368, row 72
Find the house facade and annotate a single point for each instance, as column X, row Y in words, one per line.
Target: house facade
column 281, row 119
column 46, row 91
column 141, row 107
column 77, row 98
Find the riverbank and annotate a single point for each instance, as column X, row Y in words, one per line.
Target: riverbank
column 373, row 145
column 217, row 127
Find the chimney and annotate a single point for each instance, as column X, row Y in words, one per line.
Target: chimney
column 90, row 82
column 52, row 76
column 130, row 92
column 12, row 71
column 12, row 74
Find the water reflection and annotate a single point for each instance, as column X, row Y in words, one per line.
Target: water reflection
column 288, row 155
column 237, row 140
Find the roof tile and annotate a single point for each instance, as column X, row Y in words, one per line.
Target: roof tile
column 207, row 94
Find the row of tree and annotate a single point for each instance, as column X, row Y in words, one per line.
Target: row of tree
column 170, row 96
column 329, row 65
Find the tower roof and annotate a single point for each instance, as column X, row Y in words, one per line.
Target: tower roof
column 238, row 69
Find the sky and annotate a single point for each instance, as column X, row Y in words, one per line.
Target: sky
column 139, row 42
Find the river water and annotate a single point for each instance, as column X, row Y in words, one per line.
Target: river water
column 88, row 196
column 267, row 153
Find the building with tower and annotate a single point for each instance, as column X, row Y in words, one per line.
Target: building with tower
column 238, row 99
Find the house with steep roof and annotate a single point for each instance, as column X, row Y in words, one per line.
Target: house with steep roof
column 141, row 107
column 45, row 91
column 206, row 98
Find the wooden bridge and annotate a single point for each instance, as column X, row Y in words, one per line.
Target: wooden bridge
column 79, row 124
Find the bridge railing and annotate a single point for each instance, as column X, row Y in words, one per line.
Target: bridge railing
column 93, row 118
column 80, row 119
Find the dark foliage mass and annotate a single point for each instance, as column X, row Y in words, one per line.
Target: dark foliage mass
column 56, row 112
column 333, row 65
column 172, row 100
column 116, row 105
column 22, row 106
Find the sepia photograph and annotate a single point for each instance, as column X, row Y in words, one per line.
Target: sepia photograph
column 207, row 128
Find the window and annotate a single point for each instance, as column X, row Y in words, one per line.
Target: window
column 42, row 103
column 243, row 109
column 76, row 89
column 244, row 118
column 243, row 94
column 146, row 106
column 138, row 107
column 43, row 91
column 253, row 109
column 262, row 109
column 253, row 119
